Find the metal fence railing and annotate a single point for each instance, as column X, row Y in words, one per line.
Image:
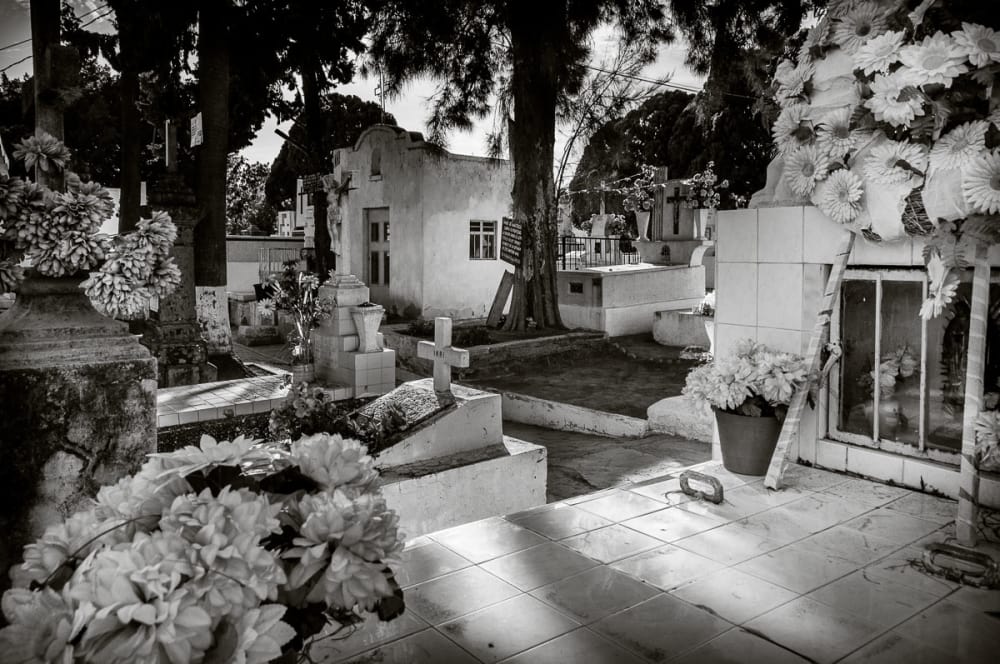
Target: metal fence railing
column 582, row 252
column 270, row 260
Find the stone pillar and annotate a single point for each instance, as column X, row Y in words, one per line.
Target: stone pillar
column 174, row 337
column 79, row 405
column 335, row 344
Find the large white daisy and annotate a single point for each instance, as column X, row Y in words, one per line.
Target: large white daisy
column 878, row 53
column 937, row 59
column 841, row 198
column 981, row 183
column 892, row 102
column 793, row 128
column 804, row 168
column 882, row 165
column 859, row 24
column 980, row 43
column 834, row 132
column 960, row 146
column 792, row 80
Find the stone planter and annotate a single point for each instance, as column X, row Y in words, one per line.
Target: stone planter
column 704, row 220
column 79, row 403
column 303, row 373
column 747, row 442
column 367, row 321
column 642, row 224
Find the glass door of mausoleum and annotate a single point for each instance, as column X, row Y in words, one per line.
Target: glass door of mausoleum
column 900, row 384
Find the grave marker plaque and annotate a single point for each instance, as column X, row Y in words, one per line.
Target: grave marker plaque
column 312, row 183
column 510, row 241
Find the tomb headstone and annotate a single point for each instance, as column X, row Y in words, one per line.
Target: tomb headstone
column 443, row 354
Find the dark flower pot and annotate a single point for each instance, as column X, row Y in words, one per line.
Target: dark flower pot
column 747, row 442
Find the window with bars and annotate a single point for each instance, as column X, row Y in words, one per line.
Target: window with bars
column 900, row 384
column 482, row 240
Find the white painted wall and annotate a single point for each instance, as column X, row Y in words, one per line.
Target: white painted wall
column 431, row 195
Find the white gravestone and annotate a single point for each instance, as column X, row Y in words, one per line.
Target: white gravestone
column 443, row 354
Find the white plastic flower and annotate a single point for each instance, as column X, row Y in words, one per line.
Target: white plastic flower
column 804, row 168
column 41, row 627
column 979, row 43
column 878, row 53
column 815, row 38
column 941, row 290
column 834, row 133
column 261, row 635
column 841, row 196
column 334, row 462
column 792, row 81
column 893, row 100
column 211, row 453
column 981, row 183
column 882, row 166
column 793, row 128
column 862, row 22
column 960, row 146
column 71, row 540
column 937, row 59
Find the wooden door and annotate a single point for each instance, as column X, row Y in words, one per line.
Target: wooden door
column 377, row 272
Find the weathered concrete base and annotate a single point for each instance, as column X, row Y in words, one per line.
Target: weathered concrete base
column 258, row 335
column 79, row 405
column 676, row 415
column 451, row 490
column 212, row 306
column 680, row 328
column 567, row 417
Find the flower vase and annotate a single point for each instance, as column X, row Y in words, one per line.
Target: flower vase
column 303, row 373
column 705, row 223
column 642, row 224
column 710, row 331
column 889, row 416
column 367, row 321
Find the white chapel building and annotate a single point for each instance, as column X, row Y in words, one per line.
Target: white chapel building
column 419, row 225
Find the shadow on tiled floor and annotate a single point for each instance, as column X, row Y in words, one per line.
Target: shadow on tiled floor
column 817, row 572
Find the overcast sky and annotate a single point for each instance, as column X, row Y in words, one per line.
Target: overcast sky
column 410, row 109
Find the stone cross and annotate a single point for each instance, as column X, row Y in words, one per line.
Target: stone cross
column 443, row 354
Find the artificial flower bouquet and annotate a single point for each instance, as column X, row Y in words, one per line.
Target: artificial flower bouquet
column 707, row 305
column 705, row 189
column 890, row 123
column 297, row 293
column 988, row 440
column 55, row 233
column 894, row 368
column 754, row 381
column 226, row 552
column 637, row 196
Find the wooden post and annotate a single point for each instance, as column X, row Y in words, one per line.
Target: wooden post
column 820, row 331
column 968, row 481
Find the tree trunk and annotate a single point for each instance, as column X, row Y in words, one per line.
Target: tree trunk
column 131, row 180
column 536, row 32
column 213, row 99
column 318, row 163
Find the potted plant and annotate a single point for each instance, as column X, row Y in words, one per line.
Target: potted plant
column 638, row 200
column 367, row 317
column 225, row 552
column 297, row 293
column 749, row 392
column 895, row 371
column 704, row 195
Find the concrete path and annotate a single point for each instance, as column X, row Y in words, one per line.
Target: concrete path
column 579, row 463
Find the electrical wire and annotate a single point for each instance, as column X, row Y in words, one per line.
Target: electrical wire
column 82, row 25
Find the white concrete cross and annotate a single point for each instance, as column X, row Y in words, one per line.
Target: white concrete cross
column 443, row 354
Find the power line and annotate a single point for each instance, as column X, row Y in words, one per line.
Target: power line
column 84, row 15
column 93, row 20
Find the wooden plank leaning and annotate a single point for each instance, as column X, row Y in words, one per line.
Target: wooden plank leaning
column 821, row 330
column 968, row 481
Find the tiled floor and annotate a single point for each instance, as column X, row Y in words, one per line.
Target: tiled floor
column 817, row 572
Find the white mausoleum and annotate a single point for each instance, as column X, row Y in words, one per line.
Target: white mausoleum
column 419, row 225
